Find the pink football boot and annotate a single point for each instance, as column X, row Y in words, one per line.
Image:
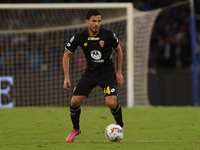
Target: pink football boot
column 73, row 134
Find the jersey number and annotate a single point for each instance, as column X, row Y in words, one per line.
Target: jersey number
column 107, row 90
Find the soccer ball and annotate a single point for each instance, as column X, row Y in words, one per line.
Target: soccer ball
column 114, row 132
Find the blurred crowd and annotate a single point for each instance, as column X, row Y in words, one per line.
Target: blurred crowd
column 170, row 39
column 36, row 53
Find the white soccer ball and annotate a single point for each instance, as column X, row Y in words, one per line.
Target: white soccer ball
column 114, row 132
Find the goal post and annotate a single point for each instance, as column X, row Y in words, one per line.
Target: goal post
column 6, row 36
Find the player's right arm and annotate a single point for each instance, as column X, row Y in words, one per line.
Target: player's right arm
column 66, row 58
column 69, row 50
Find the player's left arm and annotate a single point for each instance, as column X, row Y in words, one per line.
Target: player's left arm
column 119, row 60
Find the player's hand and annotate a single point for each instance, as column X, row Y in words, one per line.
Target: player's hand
column 66, row 82
column 120, row 79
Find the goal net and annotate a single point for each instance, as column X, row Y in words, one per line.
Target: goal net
column 32, row 43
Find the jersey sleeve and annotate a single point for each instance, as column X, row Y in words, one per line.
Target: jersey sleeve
column 72, row 45
column 114, row 41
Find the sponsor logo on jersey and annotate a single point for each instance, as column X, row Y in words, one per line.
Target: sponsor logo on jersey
column 68, row 44
column 101, row 43
column 93, row 38
column 98, row 61
column 95, row 54
column 85, row 44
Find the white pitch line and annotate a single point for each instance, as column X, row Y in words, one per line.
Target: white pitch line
column 136, row 141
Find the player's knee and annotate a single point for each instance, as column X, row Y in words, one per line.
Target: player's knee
column 76, row 101
column 112, row 104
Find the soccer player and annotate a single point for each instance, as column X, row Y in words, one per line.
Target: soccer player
column 97, row 44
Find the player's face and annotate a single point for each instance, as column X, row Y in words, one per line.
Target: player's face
column 94, row 24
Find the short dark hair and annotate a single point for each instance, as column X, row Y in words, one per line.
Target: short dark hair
column 92, row 12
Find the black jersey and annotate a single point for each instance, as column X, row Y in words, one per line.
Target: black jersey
column 97, row 49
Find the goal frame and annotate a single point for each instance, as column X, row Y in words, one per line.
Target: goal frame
column 129, row 27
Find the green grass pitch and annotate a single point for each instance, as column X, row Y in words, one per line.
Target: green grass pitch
column 150, row 128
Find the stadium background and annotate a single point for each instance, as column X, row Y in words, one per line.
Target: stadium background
column 170, row 80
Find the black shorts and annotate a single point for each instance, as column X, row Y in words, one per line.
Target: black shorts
column 107, row 81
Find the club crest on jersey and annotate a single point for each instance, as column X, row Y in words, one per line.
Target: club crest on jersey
column 101, row 43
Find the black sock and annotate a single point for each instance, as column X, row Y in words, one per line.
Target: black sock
column 117, row 113
column 75, row 115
